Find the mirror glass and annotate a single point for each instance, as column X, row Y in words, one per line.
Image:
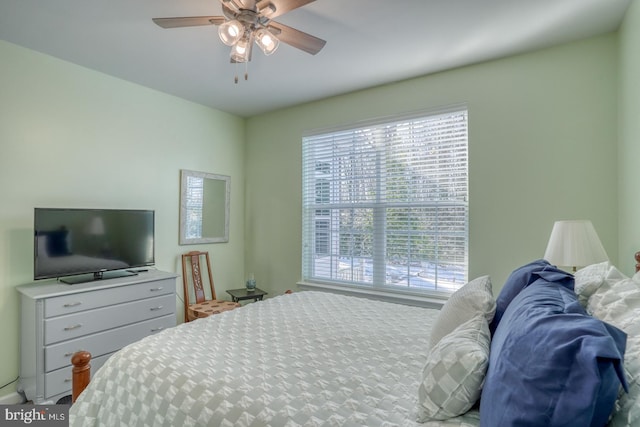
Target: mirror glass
column 204, row 207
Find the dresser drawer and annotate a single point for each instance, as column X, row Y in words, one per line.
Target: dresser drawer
column 57, row 356
column 71, row 326
column 60, row 381
column 81, row 301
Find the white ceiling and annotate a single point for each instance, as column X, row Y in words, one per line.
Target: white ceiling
column 369, row 42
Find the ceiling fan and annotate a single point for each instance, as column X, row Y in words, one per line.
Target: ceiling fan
column 248, row 21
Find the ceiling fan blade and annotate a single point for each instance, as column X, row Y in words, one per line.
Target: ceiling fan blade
column 189, row 21
column 266, row 7
column 297, row 38
column 236, row 5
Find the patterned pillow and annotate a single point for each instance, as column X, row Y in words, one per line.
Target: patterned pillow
column 616, row 300
column 454, row 372
column 468, row 419
column 589, row 280
column 476, row 297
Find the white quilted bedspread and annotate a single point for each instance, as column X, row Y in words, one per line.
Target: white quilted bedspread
column 305, row 359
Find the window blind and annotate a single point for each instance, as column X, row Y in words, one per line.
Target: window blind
column 386, row 205
column 193, row 204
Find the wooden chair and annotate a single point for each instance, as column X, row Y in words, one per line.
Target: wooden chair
column 202, row 307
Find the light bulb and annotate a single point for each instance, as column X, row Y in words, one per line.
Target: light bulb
column 230, row 32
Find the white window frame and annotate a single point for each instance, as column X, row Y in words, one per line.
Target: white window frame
column 444, row 134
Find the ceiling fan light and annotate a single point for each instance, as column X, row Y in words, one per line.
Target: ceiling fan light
column 267, row 41
column 240, row 51
column 231, row 32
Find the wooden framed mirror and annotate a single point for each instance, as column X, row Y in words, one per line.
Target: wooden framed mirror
column 204, row 207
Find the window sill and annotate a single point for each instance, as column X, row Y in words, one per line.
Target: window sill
column 398, row 298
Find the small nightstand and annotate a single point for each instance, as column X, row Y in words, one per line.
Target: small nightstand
column 242, row 294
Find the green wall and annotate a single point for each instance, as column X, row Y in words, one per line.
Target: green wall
column 542, row 143
column 629, row 151
column 72, row 137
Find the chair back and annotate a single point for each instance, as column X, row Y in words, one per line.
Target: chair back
column 192, row 273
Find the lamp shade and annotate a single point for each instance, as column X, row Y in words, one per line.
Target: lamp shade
column 230, row 32
column 96, row 226
column 267, row 41
column 574, row 244
column 240, row 51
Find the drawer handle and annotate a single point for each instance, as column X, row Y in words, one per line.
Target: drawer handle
column 71, row 353
column 160, row 307
column 156, row 289
column 157, row 329
column 71, row 328
column 72, row 304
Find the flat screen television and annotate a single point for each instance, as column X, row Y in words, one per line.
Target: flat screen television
column 81, row 245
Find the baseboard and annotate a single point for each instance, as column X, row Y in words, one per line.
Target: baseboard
column 11, row 399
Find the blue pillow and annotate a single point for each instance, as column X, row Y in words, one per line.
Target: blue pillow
column 551, row 364
column 522, row 277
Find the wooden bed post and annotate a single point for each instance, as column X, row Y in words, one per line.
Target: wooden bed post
column 81, row 373
column 637, row 261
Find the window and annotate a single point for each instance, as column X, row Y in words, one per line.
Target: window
column 385, row 206
column 193, row 201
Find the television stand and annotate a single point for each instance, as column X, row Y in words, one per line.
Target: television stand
column 98, row 275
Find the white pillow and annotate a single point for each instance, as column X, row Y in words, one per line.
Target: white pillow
column 617, row 301
column 589, row 279
column 473, row 298
column 454, row 373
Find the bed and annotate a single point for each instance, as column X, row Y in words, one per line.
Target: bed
column 321, row 359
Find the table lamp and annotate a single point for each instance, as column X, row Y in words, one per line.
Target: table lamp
column 574, row 244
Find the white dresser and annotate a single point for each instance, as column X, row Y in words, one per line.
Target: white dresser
column 100, row 317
